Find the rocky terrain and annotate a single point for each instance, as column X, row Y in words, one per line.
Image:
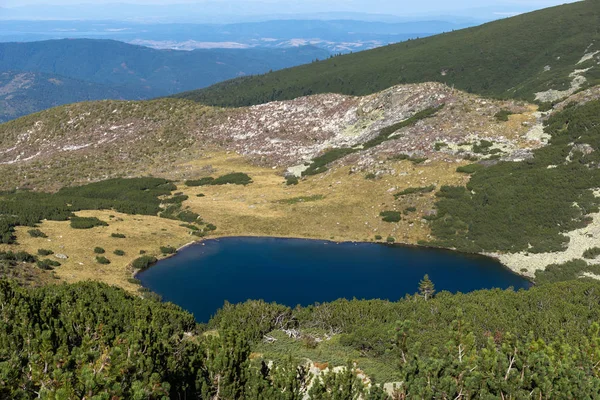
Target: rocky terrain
column 112, row 138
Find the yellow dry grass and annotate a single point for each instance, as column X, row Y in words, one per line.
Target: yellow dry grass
column 349, row 211
column 142, row 233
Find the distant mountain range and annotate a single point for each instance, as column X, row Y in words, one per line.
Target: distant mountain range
column 38, row 75
column 334, row 35
column 543, row 55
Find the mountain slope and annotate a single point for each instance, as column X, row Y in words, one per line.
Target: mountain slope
column 23, row 93
column 515, row 57
column 106, row 69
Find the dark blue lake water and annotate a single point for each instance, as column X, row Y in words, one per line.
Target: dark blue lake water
column 295, row 271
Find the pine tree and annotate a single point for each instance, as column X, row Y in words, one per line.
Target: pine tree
column 426, row 287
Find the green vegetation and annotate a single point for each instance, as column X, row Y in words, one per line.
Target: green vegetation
column 319, row 164
column 130, row 196
column 118, row 235
column 168, row 250
column 483, row 147
column 574, row 269
column 426, row 288
column 99, row 250
column 200, row 182
column 526, row 206
column 44, row 252
column 235, row 178
column 592, row 253
column 301, row 199
column 470, row 169
column 378, row 237
column 188, row 216
column 176, row 199
column 86, row 222
column 390, row 216
column 119, row 252
column 36, row 233
column 102, row 260
column 505, row 58
column 415, row 190
column 491, row 343
column 370, row 176
column 502, row 115
column 291, row 180
column 143, row 262
column 69, row 71
column 390, row 239
column 47, row 264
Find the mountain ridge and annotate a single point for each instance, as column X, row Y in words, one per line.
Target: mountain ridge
column 510, row 58
column 116, row 70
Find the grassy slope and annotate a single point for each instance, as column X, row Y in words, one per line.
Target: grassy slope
column 505, row 58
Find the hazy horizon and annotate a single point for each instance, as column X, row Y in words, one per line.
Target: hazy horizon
column 86, row 9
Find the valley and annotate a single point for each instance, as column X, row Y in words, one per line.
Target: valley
column 289, row 193
column 180, row 140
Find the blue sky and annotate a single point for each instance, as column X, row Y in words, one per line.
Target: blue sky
column 365, row 5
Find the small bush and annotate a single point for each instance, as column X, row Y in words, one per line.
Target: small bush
column 236, row 178
column 408, row 210
column 176, row 199
column 291, row 180
column 119, row 252
column 134, row 281
column 143, row 252
column 168, row 249
column 592, row 253
column 99, row 250
column 502, row 115
column 390, row 216
column 200, row 195
column 102, row 260
column 378, row 237
column 143, row 262
column 370, row 176
column 390, row 239
column 36, row 233
column 44, row 252
column 211, row 227
column 415, row 190
column 439, row 145
column 47, row 264
column 190, row 227
column 188, row 216
column 118, row 235
column 200, row 182
column 86, row 223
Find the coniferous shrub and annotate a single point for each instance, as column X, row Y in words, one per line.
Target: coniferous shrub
column 118, row 235
column 36, row 233
column 390, row 216
column 119, row 252
column 44, row 252
column 99, row 250
column 86, row 222
column 102, row 260
column 143, row 262
column 168, row 250
column 291, row 180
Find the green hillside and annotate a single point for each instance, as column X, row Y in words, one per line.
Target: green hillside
column 487, row 344
column 39, row 75
column 514, row 57
column 23, row 93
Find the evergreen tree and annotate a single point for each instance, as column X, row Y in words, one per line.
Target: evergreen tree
column 426, row 287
